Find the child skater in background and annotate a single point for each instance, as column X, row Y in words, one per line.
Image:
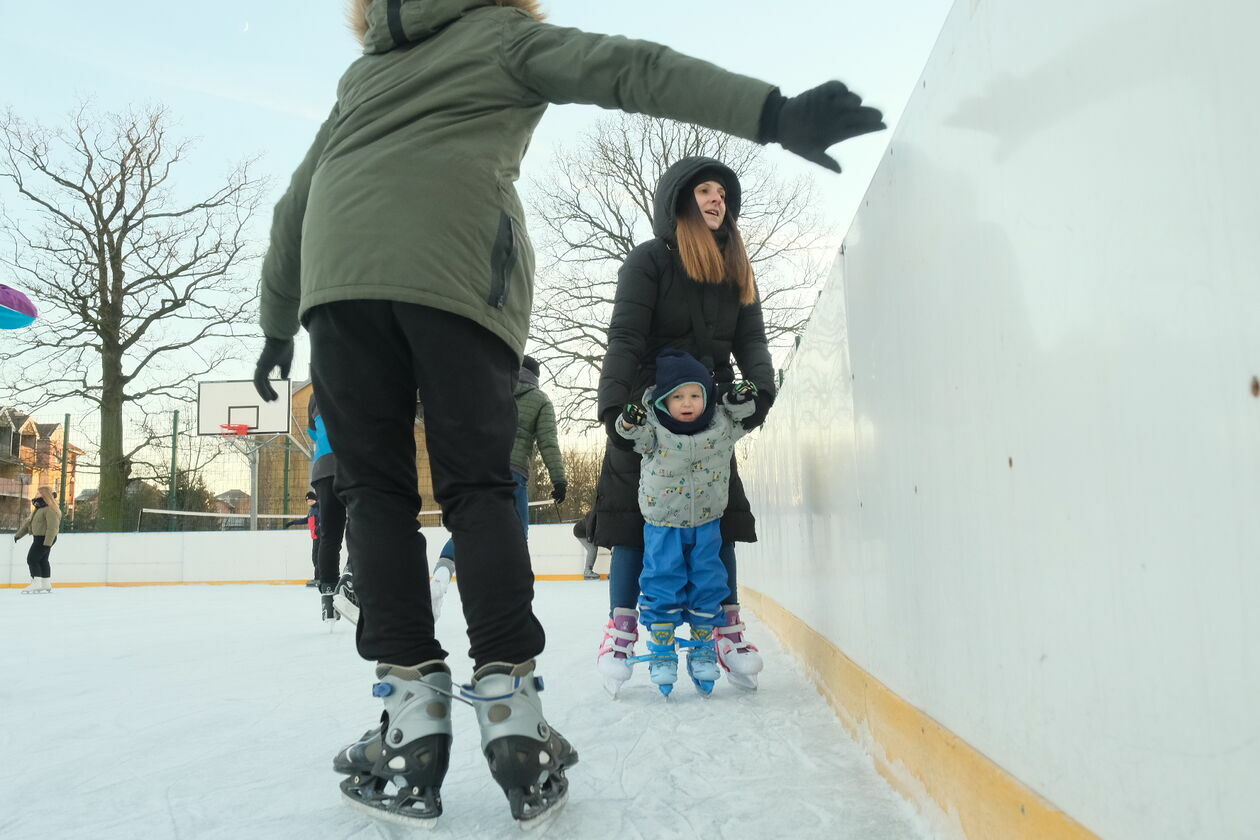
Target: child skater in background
column 686, row 439
column 311, row 523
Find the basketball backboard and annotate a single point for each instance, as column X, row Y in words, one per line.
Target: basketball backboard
column 221, row 404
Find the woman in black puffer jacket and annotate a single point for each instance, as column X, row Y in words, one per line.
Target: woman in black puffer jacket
column 713, row 317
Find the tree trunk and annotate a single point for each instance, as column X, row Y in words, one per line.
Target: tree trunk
column 114, row 469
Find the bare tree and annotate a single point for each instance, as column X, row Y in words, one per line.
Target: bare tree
column 596, row 205
column 139, row 292
column 582, row 463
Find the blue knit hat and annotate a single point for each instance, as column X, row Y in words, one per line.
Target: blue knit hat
column 674, row 368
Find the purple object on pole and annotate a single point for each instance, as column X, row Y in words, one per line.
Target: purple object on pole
column 16, row 309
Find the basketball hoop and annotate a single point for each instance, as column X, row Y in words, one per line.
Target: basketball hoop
column 237, row 429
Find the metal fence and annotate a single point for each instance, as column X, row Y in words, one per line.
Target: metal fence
column 174, row 479
column 177, row 480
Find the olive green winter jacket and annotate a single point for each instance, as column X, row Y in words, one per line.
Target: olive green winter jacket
column 536, row 423
column 407, row 193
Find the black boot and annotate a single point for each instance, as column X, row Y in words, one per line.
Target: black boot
column 327, row 611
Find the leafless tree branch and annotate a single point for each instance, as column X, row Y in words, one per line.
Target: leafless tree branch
column 596, row 203
column 141, row 289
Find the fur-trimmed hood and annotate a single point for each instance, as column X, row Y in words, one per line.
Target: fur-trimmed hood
column 415, row 19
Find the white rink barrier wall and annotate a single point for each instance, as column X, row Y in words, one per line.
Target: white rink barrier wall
column 1009, row 498
column 132, row 559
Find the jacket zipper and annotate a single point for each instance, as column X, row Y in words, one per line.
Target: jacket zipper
column 502, row 261
column 691, row 472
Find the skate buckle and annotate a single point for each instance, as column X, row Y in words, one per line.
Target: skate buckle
column 538, row 683
column 381, row 689
column 468, row 692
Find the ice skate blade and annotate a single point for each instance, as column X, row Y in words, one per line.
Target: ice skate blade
column 744, row 682
column 534, row 823
column 611, row 687
column 665, row 688
column 347, row 609
column 705, row 687
column 389, row 816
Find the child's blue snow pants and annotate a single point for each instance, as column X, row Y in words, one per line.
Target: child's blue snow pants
column 683, row 577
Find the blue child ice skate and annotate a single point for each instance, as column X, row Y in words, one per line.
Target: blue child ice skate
column 662, row 659
column 702, row 664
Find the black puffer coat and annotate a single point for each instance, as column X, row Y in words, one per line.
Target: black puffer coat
column 652, row 311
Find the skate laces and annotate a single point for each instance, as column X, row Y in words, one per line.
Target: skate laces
column 701, row 649
column 734, row 634
column 660, row 645
column 469, row 696
column 614, row 636
column 466, row 694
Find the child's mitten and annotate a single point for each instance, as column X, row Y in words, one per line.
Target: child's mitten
column 633, row 415
column 741, row 392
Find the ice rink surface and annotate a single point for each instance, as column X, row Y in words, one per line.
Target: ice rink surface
column 214, row 712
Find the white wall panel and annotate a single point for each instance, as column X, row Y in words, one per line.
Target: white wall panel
column 1015, row 471
column 194, row 556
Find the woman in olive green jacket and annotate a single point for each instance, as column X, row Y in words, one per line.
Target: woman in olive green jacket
column 43, row 525
column 401, row 246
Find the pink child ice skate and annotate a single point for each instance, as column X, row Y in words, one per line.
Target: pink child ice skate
column 738, row 657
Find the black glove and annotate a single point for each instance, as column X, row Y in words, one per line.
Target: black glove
column 611, row 418
column 559, row 490
column 634, row 414
column 809, row 124
column 741, row 392
column 276, row 352
column 762, row 400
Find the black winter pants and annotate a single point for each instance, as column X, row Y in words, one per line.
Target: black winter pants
column 368, row 360
column 332, row 530
column 37, row 558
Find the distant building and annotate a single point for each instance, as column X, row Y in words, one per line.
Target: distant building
column 233, row 501
column 30, row 457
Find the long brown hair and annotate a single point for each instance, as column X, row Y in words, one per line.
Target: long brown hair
column 703, row 261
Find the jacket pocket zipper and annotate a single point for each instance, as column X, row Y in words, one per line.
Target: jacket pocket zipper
column 502, row 261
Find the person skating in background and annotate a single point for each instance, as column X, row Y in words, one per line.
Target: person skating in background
column 691, row 287
column 582, row 530
column 686, row 440
column 400, row 245
column 43, row 524
column 336, row 591
column 535, row 426
column 311, row 523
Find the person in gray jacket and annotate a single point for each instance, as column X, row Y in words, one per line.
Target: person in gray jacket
column 686, row 440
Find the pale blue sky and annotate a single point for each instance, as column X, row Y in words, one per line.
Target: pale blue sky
column 250, row 78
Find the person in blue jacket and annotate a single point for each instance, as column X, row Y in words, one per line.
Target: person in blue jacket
column 332, row 516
